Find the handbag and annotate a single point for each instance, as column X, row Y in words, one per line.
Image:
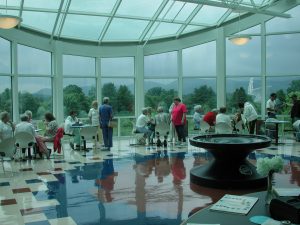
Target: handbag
column 112, row 124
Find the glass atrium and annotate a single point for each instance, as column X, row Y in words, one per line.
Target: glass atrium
column 142, row 53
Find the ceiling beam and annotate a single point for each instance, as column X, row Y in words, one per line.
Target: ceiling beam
column 56, row 20
column 108, row 22
column 189, row 20
column 153, row 19
column 62, row 22
column 238, row 7
column 20, row 13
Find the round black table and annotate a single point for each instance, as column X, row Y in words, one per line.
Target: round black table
column 229, row 168
column 206, row 216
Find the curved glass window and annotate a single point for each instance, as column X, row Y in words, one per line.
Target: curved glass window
column 243, row 60
column 35, row 94
column 78, row 65
column 164, row 64
column 241, row 90
column 33, row 61
column 5, row 56
column 117, row 66
column 199, row 60
column 120, row 93
column 283, row 54
column 5, row 94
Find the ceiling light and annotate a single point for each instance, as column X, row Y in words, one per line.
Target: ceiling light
column 239, row 39
column 9, row 21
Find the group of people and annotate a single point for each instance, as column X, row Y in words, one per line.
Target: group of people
column 163, row 122
column 100, row 117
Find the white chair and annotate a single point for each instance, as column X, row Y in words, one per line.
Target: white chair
column 239, row 128
column 162, row 130
column 136, row 137
column 88, row 133
column 7, row 149
column 223, row 128
column 24, row 140
column 204, row 127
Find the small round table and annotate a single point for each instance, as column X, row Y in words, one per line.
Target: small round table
column 229, row 168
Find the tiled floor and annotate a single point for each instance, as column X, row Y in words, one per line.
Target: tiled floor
column 129, row 185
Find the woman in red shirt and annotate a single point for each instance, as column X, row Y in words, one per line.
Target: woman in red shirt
column 179, row 119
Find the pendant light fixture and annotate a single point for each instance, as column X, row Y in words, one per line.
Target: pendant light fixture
column 8, row 21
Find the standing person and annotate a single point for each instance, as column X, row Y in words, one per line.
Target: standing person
column 271, row 106
column 94, row 120
column 172, row 127
column 250, row 115
column 210, row 117
column 295, row 111
column 197, row 117
column 179, row 119
column 6, row 126
column 105, row 116
column 222, row 117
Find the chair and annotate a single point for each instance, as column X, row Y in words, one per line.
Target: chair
column 204, row 127
column 162, row 131
column 223, row 128
column 24, row 140
column 7, row 149
column 270, row 127
column 136, row 137
column 239, row 128
column 88, row 133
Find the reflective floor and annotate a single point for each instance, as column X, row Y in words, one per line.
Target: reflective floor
column 129, row 185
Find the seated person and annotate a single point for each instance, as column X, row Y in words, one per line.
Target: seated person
column 162, row 122
column 142, row 124
column 6, row 126
column 210, row 117
column 296, row 125
column 222, row 117
column 197, row 117
column 26, row 126
column 51, row 129
column 72, row 120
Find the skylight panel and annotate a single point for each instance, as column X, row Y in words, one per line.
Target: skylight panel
column 163, row 29
column 209, row 15
column 42, row 4
column 76, row 26
column 141, row 8
column 42, row 21
column 96, row 6
column 125, row 29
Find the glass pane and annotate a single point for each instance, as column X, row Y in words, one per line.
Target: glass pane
column 143, row 8
column 78, row 95
column 163, row 29
column 5, row 56
column 185, row 11
column 199, row 91
column 117, row 66
column 78, row 65
column 243, row 89
column 180, row 11
column 125, row 29
column 243, row 60
column 98, row 6
column 209, row 15
column 35, row 94
column 199, row 60
column 11, row 2
column 283, row 87
column 160, row 92
column 5, row 94
column 252, row 30
column 84, row 27
column 121, row 95
column 39, row 20
column 191, row 28
column 283, row 24
column 164, row 64
column 42, row 4
column 283, row 54
column 33, row 61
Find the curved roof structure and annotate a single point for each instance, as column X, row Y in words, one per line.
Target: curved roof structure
column 138, row 21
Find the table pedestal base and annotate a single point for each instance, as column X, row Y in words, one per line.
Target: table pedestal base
column 228, row 174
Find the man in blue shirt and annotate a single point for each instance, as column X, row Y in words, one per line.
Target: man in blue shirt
column 105, row 116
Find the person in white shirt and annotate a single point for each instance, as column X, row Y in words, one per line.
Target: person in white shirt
column 162, row 121
column 249, row 114
column 94, row 120
column 6, row 126
column 197, row 117
column 222, row 117
column 70, row 120
column 142, row 124
column 26, row 126
column 271, row 106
